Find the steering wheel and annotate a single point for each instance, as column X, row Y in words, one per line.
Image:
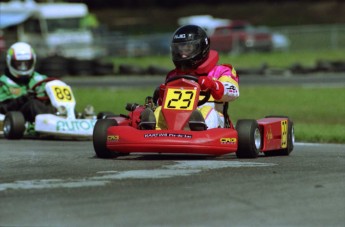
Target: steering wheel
column 206, row 94
column 35, row 91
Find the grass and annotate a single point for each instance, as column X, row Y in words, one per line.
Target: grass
column 248, row 60
column 318, row 112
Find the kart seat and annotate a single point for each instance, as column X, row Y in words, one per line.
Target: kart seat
column 148, row 120
column 197, row 121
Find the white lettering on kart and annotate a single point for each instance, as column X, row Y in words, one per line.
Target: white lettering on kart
column 177, row 135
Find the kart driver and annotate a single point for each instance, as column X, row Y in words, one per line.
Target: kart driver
column 17, row 81
column 191, row 55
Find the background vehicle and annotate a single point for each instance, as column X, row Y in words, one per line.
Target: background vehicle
column 50, row 28
column 240, row 36
column 232, row 35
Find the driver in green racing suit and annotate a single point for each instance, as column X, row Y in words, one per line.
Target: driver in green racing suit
column 17, row 82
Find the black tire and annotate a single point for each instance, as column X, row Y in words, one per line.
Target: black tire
column 249, row 139
column 100, row 138
column 102, row 68
column 54, row 66
column 131, row 70
column 104, row 115
column 290, row 140
column 82, row 67
column 14, row 125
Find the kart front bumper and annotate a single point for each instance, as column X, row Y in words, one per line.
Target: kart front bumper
column 126, row 139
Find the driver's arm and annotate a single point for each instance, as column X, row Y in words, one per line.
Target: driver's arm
column 231, row 88
column 7, row 103
column 13, row 104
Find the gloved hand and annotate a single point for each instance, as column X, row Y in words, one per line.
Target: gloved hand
column 30, row 94
column 16, row 103
column 216, row 87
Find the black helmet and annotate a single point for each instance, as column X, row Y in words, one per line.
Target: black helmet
column 190, row 47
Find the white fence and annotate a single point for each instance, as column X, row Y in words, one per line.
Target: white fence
column 313, row 37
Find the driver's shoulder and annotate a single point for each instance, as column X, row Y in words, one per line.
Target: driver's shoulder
column 38, row 76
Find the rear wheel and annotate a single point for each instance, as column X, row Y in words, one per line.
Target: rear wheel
column 249, row 139
column 290, row 140
column 14, row 125
column 105, row 114
column 100, row 138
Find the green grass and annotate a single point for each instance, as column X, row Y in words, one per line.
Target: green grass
column 247, row 60
column 318, row 112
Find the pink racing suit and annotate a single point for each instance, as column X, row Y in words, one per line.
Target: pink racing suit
column 226, row 74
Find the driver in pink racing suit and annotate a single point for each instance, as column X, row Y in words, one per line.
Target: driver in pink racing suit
column 191, row 54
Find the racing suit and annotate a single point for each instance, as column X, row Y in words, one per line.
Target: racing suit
column 14, row 96
column 212, row 111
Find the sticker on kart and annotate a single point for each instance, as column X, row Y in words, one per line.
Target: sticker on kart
column 75, row 125
column 178, row 99
column 62, row 93
column 49, row 123
column 228, row 140
column 175, row 135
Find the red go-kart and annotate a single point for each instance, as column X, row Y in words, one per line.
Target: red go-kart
column 121, row 135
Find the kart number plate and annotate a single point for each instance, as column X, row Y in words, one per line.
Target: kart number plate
column 62, row 93
column 284, row 127
column 178, row 99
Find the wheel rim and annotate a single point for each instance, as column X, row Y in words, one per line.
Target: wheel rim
column 257, row 139
column 7, row 127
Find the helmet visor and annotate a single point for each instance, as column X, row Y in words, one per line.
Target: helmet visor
column 22, row 65
column 185, row 50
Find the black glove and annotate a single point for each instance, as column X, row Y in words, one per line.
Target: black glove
column 16, row 103
column 30, row 94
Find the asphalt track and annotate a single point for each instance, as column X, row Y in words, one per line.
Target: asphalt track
column 62, row 183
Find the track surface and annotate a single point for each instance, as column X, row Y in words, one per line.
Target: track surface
column 61, row 183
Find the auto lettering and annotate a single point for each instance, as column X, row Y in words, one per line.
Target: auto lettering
column 75, row 125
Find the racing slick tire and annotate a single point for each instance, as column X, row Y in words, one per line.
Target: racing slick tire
column 100, row 138
column 105, row 115
column 14, row 125
column 249, row 139
column 290, row 140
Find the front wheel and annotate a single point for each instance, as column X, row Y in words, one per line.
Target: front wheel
column 249, row 139
column 100, row 138
column 14, row 125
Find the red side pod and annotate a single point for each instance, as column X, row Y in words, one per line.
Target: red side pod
column 127, row 139
column 274, row 133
